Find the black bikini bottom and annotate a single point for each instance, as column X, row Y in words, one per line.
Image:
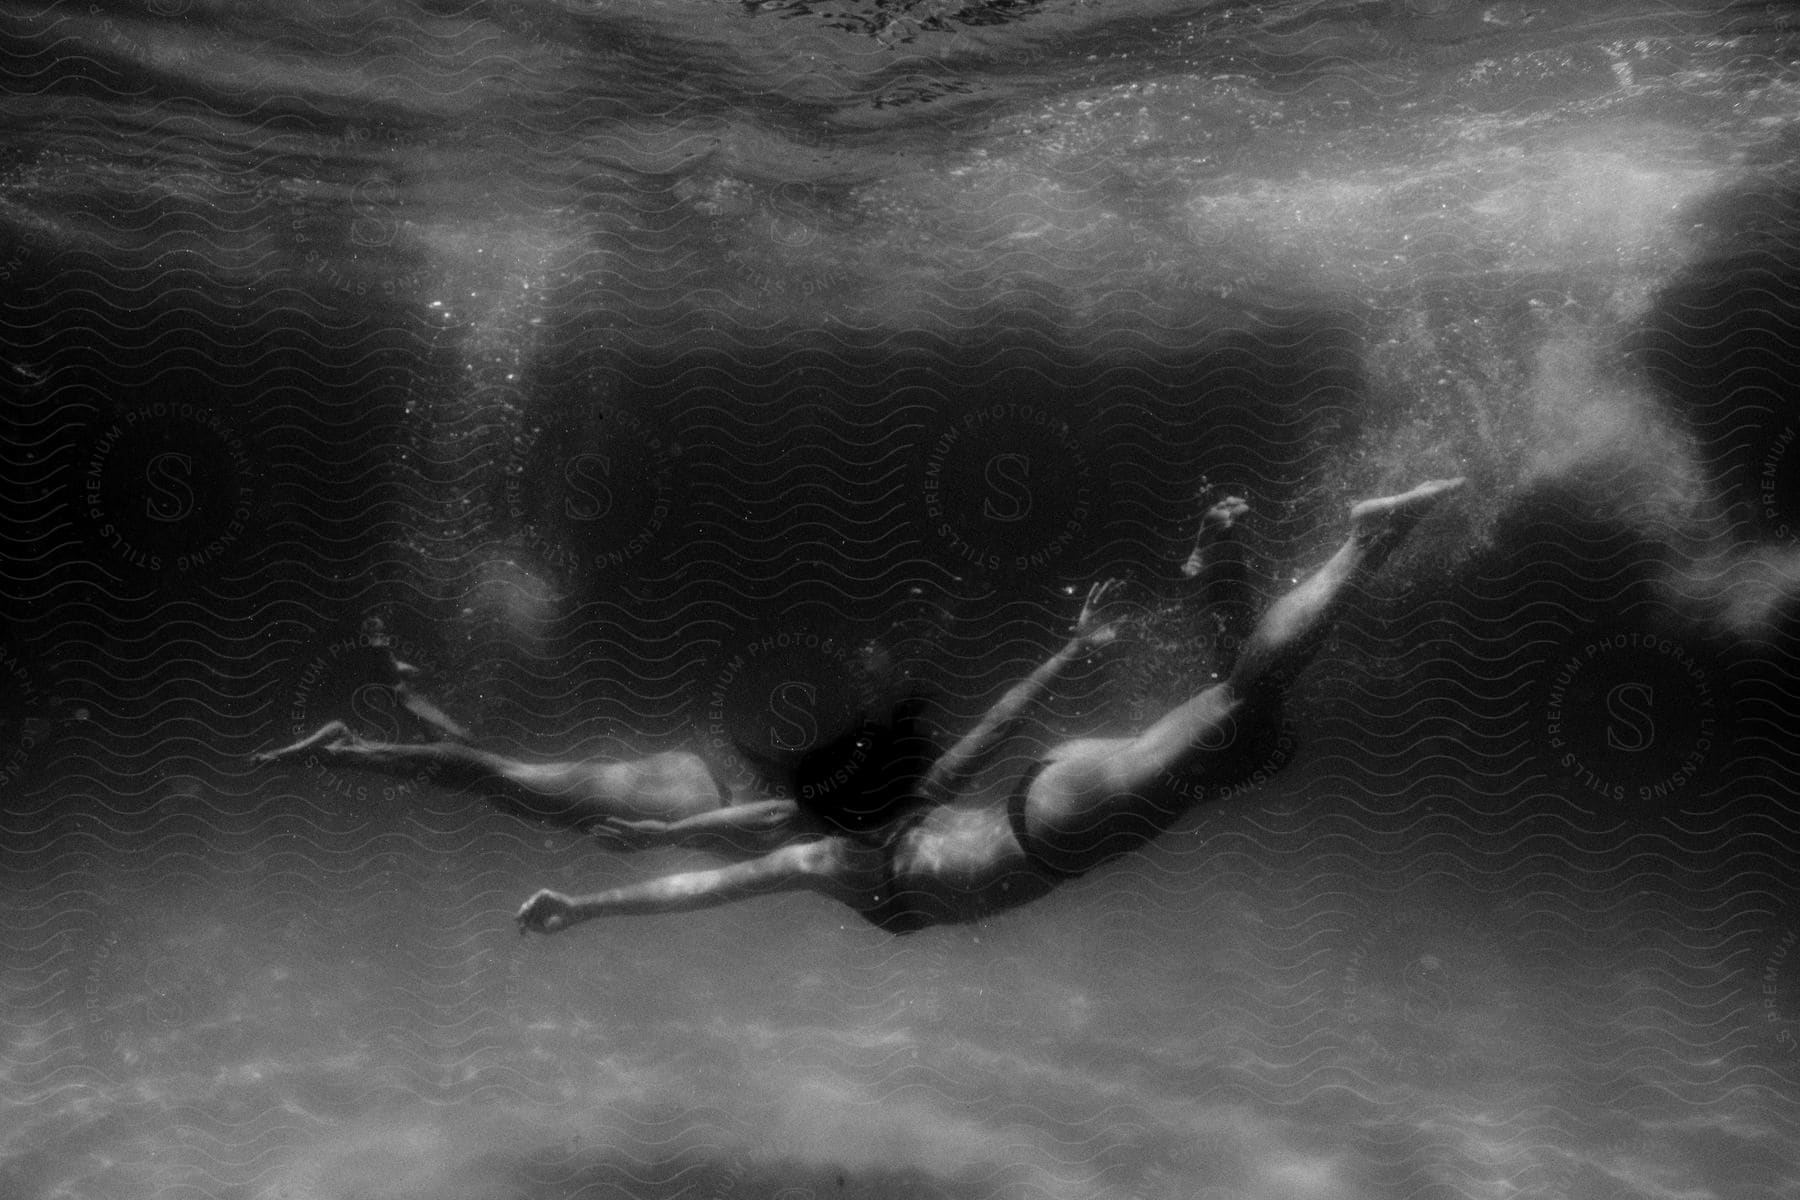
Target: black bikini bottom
column 1035, row 851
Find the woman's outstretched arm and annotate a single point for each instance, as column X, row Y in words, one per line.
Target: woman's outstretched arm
column 963, row 761
column 821, row 866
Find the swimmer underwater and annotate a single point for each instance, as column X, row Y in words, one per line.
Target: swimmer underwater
column 912, row 849
column 1088, row 800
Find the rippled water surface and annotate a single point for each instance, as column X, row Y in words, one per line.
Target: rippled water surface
column 599, row 348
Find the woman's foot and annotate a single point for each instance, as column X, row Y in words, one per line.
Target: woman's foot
column 1093, row 628
column 331, row 735
column 1215, row 526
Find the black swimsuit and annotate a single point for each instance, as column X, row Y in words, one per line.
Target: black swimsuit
column 891, row 907
column 1036, row 853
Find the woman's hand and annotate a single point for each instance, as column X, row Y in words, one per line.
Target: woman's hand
column 545, row 912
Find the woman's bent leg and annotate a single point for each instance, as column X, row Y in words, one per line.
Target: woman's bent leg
column 670, row 786
column 1098, row 796
column 578, row 795
column 1290, row 633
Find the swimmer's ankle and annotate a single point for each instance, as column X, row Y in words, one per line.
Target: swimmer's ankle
column 1394, row 515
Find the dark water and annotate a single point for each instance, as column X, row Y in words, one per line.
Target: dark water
column 591, row 346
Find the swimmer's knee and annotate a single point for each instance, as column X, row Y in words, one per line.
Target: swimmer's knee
column 829, row 868
column 681, row 775
column 691, row 768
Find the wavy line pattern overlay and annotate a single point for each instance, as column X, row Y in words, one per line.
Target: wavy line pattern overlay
column 655, row 379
